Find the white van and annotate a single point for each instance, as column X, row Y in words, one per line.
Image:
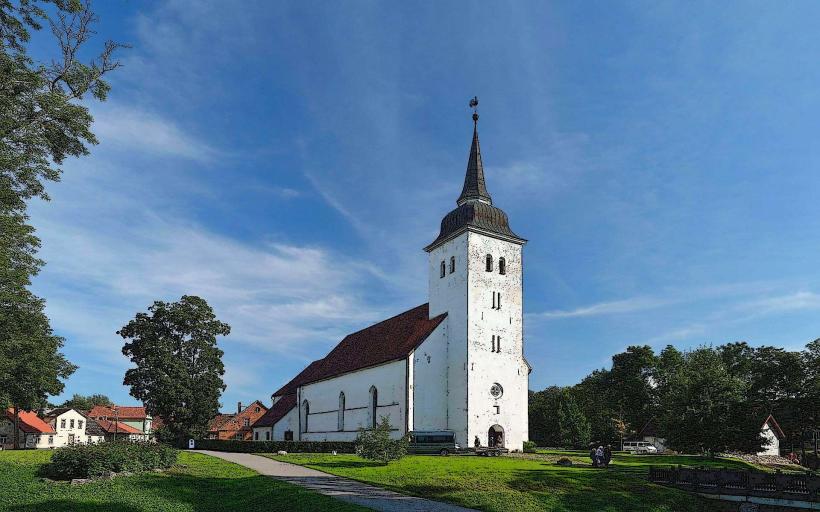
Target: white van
column 640, row 447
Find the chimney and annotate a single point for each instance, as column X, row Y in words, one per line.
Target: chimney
column 238, row 407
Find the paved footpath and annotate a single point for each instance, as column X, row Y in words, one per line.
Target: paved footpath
column 340, row 488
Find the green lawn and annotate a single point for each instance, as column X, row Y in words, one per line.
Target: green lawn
column 513, row 483
column 639, row 464
column 206, row 484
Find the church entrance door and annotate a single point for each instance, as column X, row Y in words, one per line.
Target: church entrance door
column 495, row 437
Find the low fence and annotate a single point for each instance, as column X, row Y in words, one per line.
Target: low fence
column 784, row 486
column 220, row 445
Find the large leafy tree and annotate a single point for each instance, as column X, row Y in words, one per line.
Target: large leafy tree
column 543, row 416
column 42, row 123
column 178, row 373
column 704, row 407
column 572, row 424
column 85, row 403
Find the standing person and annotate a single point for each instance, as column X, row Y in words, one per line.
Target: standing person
column 477, row 442
column 599, row 456
column 607, row 455
column 593, row 457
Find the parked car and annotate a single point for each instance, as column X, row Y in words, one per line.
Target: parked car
column 640, row 447
column 442, row 442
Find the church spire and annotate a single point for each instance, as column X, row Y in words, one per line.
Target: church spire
column 474, row 186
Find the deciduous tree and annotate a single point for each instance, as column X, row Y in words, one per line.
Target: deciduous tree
column 179, row 369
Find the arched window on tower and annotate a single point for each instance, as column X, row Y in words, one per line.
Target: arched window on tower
column 306, row 415
column 502, row 266
column 374, row 406
column 452, row 264
column 489, row 263
column 443, row 269
column 341, row 420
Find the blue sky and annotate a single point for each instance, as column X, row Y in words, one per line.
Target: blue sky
column 288, row 162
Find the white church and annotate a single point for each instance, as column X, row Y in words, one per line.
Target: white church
column 455, row 363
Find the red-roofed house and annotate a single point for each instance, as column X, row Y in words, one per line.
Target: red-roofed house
column 237, row 426
column 133, row 416
column 455, row 363
column 33, row 432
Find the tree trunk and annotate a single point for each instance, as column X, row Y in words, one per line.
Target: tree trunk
column 16, row 442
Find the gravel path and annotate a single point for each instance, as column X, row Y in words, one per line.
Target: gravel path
column 340, row 488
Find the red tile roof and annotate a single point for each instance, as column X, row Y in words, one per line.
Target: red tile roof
column 383, row 342
column 277, row 412
column 29, row 422
column 120, row 428
column 774, row 426
column 219, row 421
column 125, row 412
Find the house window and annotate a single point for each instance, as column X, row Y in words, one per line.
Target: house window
column 493, row 349
column 442, row 269
column 493, row 300
column 257, row 409
column 489, row 263
column 238, row 436
column 71, row 423
column 3, row 440
column 267, row 435
column 340, row 421
column 497, row 409
column 79, row 423
column 498, row 343
column 247, row 422
column 502, row 266
column 62, row 423
column 374, row 405
column 498, row 306
column 452, row 264
column 50, row 439
column 306, row 409
column 256, row 436
column 288, row 435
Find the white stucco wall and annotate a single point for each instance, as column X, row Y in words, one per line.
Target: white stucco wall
column 467, row 296
column 429, row 382
column 27, row 440
column 288, row 422
column 449, row 295
column 72, row 420
column 772, row 446
column 323, row 396
column 506, row 367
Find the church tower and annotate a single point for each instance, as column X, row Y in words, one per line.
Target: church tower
column 475, row 276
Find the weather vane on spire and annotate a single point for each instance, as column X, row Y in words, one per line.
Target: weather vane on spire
column 474, row 106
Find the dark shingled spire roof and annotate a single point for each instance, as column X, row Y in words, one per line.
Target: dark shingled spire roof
column 474, row 186
column 475, row 206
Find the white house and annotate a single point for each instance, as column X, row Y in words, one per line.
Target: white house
column 32, row 431
column 773, row 434
column 70, row 427
column 454, row 363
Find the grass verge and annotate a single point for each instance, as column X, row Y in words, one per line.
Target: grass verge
column 510, row 483
column 206, row 484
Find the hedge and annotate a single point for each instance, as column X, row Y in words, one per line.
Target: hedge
column 92, row 460
column 221, row 445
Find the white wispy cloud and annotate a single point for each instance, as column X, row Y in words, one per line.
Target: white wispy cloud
column 134, row 129
column 632, row 305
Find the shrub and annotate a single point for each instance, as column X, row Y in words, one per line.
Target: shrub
column 91, row 460
column 375, row 443
column 529, row 446
column 221, row 445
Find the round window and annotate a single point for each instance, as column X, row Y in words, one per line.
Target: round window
column 496, row 390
